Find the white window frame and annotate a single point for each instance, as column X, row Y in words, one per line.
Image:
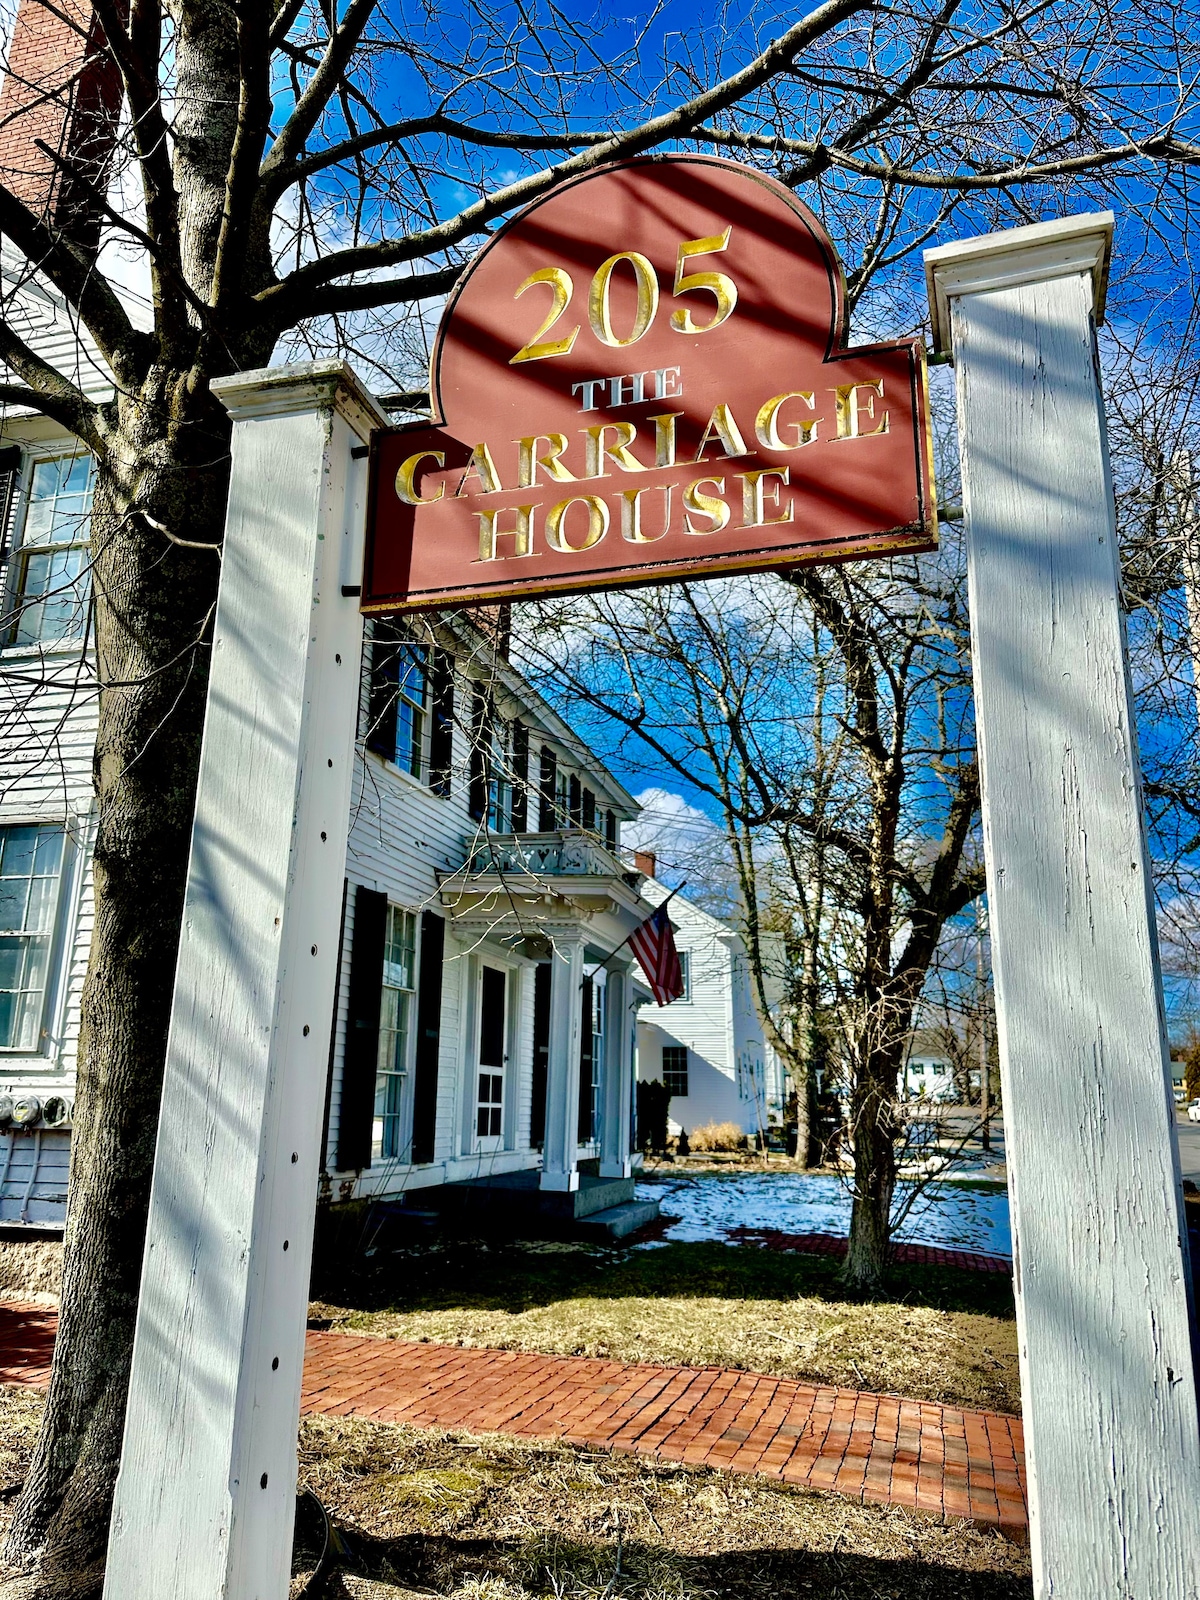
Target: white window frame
column 401, row 1076
column 46, row 1052
column 18, row 552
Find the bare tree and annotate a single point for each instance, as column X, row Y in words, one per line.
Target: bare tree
column 828, row 720
column 299, row 177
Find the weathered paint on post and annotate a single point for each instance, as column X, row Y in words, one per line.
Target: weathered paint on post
column 560, row 1150
column 1099, row 1242
column 615, row 1160
column 206, row 1495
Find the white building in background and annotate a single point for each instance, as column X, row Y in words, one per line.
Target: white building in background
column 485, row 1021
column 707, row 1048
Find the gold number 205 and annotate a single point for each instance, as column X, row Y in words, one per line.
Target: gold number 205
column 718, row 284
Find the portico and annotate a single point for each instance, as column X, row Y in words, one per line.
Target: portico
column 564, row 905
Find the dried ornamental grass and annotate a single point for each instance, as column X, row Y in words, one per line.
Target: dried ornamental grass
column 717, row 1136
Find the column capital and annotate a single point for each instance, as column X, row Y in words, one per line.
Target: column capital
column 302, row 386
column 1066, row 247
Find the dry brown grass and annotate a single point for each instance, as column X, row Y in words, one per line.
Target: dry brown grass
column 492, row 1519
column 31, row 1269
column 445, row 1514
column 699, row 1306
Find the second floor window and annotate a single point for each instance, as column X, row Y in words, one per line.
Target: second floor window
column 411, row 717
column 50, row 587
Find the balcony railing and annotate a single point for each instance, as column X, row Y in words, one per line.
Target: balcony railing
column 544, row 855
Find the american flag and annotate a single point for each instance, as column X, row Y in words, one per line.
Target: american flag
column 654, row 946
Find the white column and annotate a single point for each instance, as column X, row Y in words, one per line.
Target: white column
column 559, row 1171
column 1099, row 1241
column 618, row 1074
column 206, row 1493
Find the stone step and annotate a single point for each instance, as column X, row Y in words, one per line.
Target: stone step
column 617, row 1222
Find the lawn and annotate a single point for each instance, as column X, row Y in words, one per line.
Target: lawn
column 935, row 1334
column 492, row 1519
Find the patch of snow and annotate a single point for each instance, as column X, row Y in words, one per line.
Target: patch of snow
column 711, row 1207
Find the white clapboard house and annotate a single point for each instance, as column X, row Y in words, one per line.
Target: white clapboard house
column 486, row 1008
column 707, row 1048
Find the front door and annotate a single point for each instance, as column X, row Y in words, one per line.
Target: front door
column 489, row 1104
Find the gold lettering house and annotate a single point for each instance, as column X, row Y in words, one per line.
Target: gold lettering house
column 681, row 406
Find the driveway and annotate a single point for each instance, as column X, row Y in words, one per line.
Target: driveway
column 1188, row 1134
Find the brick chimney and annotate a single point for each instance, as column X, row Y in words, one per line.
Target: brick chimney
column 645, row 861
column 62, row 91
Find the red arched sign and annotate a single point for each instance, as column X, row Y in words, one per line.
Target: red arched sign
column 642, row 378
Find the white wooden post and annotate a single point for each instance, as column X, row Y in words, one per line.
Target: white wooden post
column 618, row 1074
column 206, row 1494
column 559, row 1149
column 1099, row 1245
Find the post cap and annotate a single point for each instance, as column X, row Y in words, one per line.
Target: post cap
column 1003, row 260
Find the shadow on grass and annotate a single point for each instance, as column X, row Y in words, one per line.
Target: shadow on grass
column 558, row 1567
column 446, row 1274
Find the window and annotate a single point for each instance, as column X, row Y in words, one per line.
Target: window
column 50, row 583
column 30, row 858
column 675, row 1069
column 399, row 694
column 493, row 1016
column 685, row 967
column 499, row 782
column 395, row 1028
column 410, row 711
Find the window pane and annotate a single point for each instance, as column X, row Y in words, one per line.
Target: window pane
column 48, row 856
column 60, row 500
column 40, row 912
column 14, row 892
column 18, row 852
column 12, row 961
column 60, row 576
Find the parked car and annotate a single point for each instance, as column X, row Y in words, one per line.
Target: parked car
column 1194, row 1111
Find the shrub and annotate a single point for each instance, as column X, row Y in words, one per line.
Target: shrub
column 717, row 1136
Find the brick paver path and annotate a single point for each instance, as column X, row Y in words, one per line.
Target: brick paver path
column 873, row 1447
column 828, row 1244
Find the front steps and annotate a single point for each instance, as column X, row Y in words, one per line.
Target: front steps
column 511, row 1203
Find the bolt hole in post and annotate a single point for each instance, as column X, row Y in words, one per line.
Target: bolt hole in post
column 307, row 1030
column 275, row 1365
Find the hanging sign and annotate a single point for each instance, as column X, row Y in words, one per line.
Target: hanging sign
column 643, row 378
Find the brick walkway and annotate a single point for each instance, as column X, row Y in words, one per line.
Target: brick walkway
column 828, row 1244
column 872, row 1447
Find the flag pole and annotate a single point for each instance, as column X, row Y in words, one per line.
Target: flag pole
column 629, row 936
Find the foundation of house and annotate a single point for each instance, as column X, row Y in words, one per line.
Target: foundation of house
column 512, row 1203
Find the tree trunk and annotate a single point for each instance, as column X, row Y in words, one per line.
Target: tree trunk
column 874, row 1178
column 169, row 456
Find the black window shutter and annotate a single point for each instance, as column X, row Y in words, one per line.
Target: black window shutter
column 574, row 801
column 589, row 810
column 332, row 1062
column 385, row 682
column 10, row 468
column 541, row 1053
column 587, row 1045
column 441, row 727
column 520, row 777
column 546, row 784
column 610, row 829
column 361, row 1055
column 477, row 786
column 429, row 1032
